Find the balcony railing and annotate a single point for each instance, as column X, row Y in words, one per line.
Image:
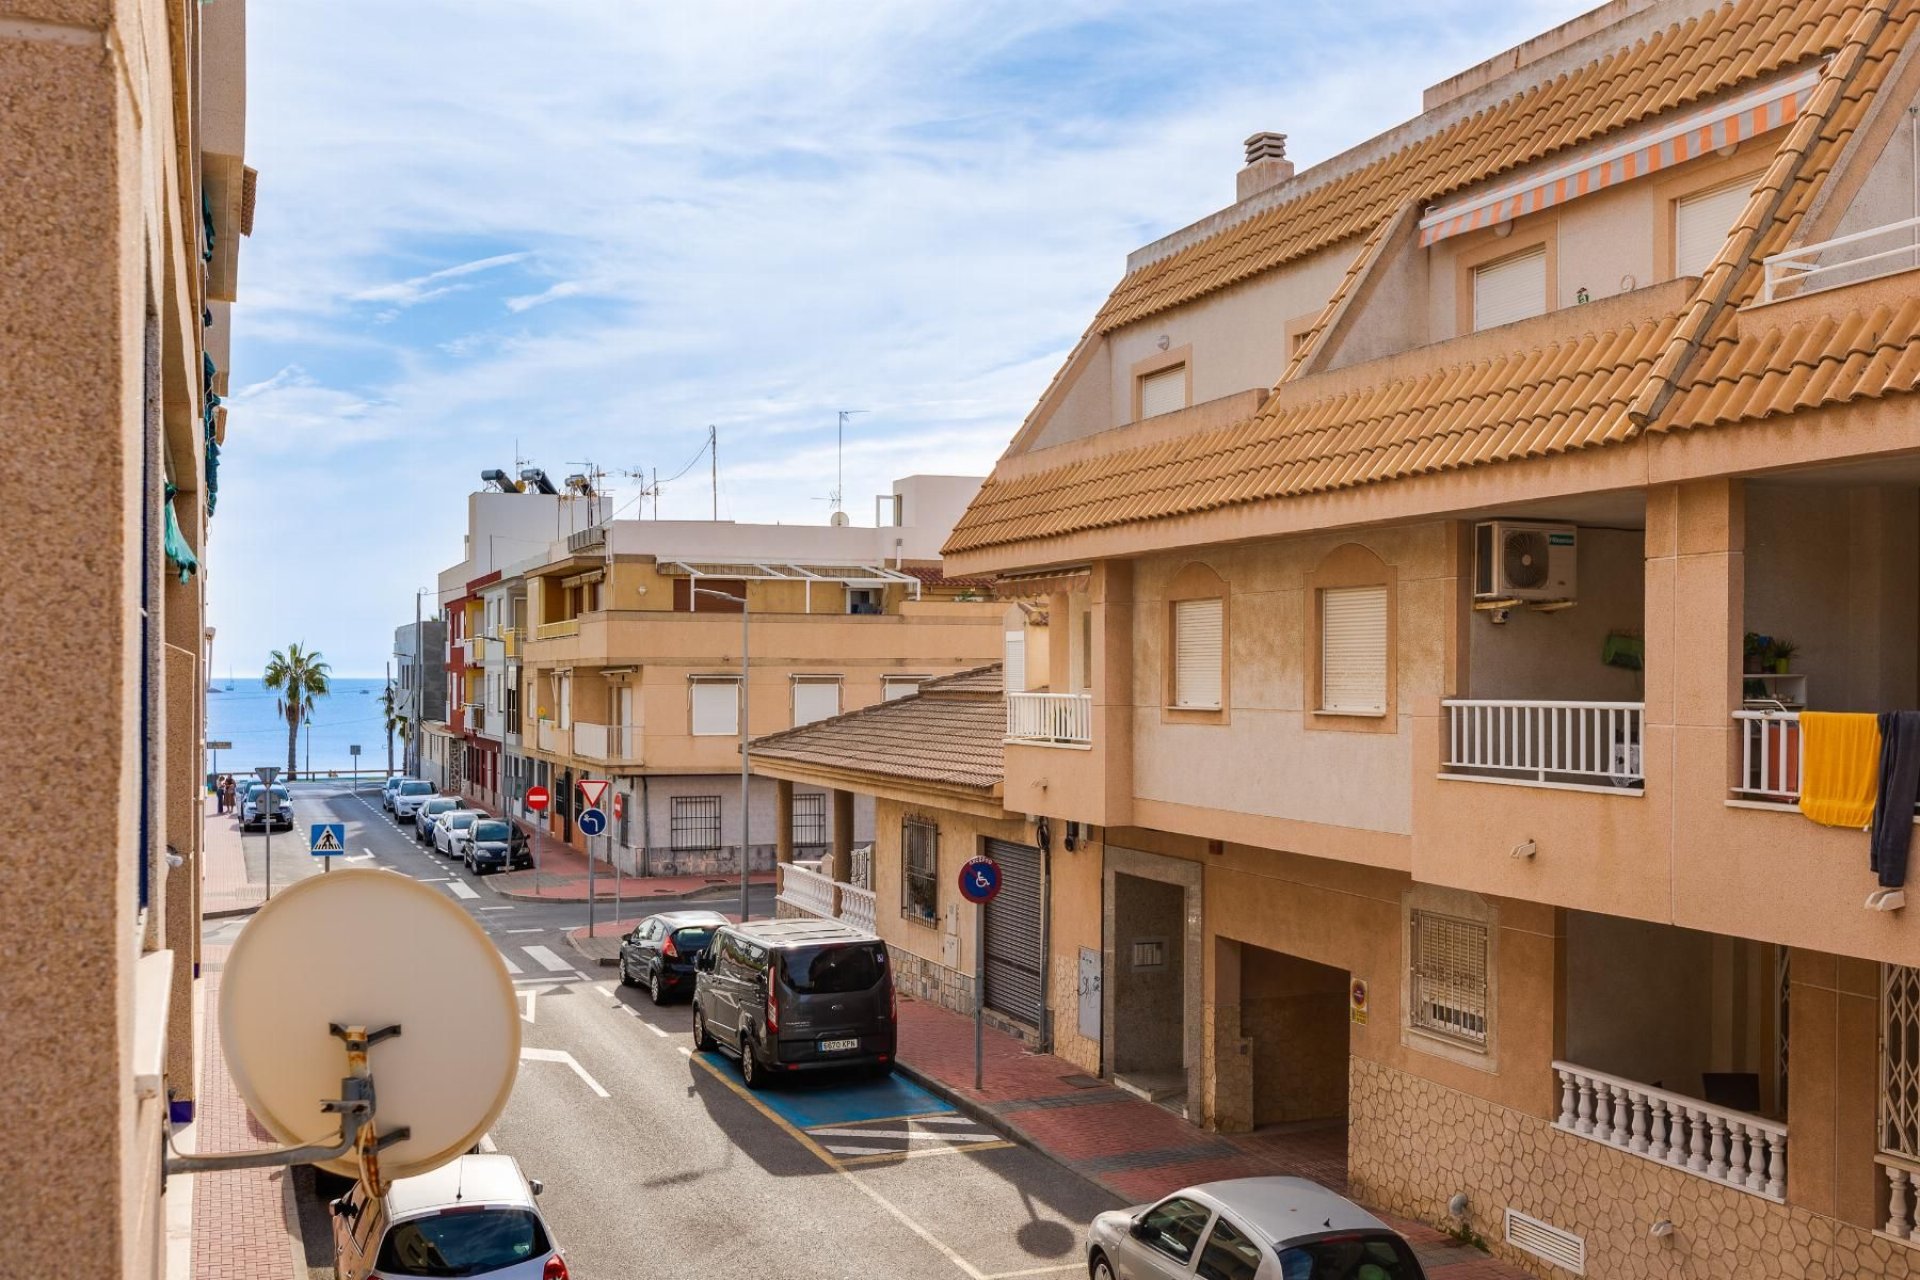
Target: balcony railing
column 557, row 630
column 1900, row 1183
column 817, row 893
column 1770, row 755
column 611, row 742
column 1058, row 719
column 477, row 717
column 1716, row 1143
column 1863, row 255
column 1544, row 743
column 552, row 737
column 477, row 649
column 510, row 641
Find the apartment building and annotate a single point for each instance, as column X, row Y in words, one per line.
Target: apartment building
column 1443, row 550
column 633, row 667
column 420, row 677
column 125, row 201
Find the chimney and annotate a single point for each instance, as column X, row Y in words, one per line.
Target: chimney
column 1267, row 164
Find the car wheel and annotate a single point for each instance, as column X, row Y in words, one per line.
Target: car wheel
column 656, row 992
column 1100, row 1268
column 626, row 974
column 749, row 1068
column 702, row 1041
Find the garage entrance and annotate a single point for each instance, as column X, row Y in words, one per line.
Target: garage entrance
column 1293, row 1015
column 1013, row 935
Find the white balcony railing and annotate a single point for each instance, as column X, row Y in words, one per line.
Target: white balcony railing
column 1053, row 718
column 1717, row 1143
column 1863, row 255
column 1545, row 743
column 477, row 717
column 1900, row 1185
column 552, row 737
column 807, row 890
column 612, row 742
column 856, row 907
column 1770, row 755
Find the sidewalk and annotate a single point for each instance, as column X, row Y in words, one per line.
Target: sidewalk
column 1135, row 1149
column 562, row 877
column 225, row 890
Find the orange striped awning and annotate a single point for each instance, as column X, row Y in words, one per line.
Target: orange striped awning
column 1755, row 112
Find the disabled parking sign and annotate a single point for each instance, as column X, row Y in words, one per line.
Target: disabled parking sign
column 980, row 879
column 327, row 839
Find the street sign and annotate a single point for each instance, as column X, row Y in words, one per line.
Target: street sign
column 536, row 798
column 592, row 790
column 219, row 746
column 619, row 805
column 592, row 822
column 354, row 750
column 979, row 879
column 267, row 773
column 327, row 839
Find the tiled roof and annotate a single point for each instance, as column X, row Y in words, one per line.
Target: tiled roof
column 1558, row 392
column 945, row 734
column 1728, row 46
column 935, row 576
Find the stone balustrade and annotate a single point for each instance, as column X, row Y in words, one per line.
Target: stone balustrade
column 1726, row 1146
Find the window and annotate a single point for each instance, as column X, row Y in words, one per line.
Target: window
column 1379, row 1257
column 1900, row 1060
column 1015, row 670
column 462, row 1243
column 920, row 871
column 687, row 599
column 1353, row 650
column 829, row 971
column 815, row 699
column 892, row 687
column 693, row 822
column 1229, row 1254
column 868, row 600
column 716, row 707
column 1701, row 223
column 1174, row 1226
column 1510, row 289
column 810, row 820
column 1197, row 639
column 1448, row 976
column 1163, row 392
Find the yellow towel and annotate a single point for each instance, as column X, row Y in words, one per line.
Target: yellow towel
column 1841, row 767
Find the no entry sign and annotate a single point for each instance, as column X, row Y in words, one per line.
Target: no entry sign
column 536, row 798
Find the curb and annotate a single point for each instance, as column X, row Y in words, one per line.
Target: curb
column 231, row 913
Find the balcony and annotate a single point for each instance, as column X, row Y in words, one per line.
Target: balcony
column 1050, row 719
column 1828, row 264
column 477, row 649
column 614, row 744
column 1585, row 745
column 557, row 630
column 1733, row 1148
column 821, row 895
column 511, row 639
column 553, row 739
column 476, row 717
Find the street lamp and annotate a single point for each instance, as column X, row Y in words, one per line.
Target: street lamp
column 746, row 767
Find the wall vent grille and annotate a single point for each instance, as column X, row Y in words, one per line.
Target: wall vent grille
column 1544, row 1240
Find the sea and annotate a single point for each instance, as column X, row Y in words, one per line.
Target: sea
column 241, row 711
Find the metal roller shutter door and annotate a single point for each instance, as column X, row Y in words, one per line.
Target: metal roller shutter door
column 1013, row 934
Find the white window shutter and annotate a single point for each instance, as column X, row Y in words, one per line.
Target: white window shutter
column 1015, row 668
column 716, row 707
column 1353, row 649
column 815, row 700
column 1163, row 392
column 1198, row 633
column 1701, row 224
column 1511, row 289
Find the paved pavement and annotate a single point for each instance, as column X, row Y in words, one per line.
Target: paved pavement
column 562, row 874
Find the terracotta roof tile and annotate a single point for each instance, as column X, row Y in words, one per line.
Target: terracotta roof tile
column 944, row 735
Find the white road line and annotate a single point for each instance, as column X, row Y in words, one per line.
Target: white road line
column 686, row 1051
column 493, row 908
column 366, row 851
column 487, row 1144
column 433, row 880
column 532, row 994
column 461, row 889
column 861, row 1151
column 516, row 930
column 942, row 1119
column 511, row 966
column 543, row 982
column 527, row 1053
column 547, row 960
column 659, row 1031
column 909, row 1134
column 603, row 989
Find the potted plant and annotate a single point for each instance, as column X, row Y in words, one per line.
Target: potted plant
column 1755, row 650
column 1781, row 654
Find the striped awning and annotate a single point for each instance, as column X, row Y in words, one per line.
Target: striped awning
column 1759, row 111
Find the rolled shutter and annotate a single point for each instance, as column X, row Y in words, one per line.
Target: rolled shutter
column 1015, row 669
column 1163, row 392
column 1702, row 222
column 1509, row 290
column 716, row 707
column 815, row 700
column 1197, row 637
column 1353, row 649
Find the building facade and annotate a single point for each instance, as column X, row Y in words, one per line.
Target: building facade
column 420, row 678
column 126, row 200
column 1446, row 550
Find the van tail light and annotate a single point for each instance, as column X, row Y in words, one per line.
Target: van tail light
column 556, row 1269
column 669, row 950
column 773, row 1009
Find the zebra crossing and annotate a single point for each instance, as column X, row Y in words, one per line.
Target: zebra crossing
column 548, row 966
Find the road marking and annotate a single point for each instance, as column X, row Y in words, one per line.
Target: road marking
column 907, row 1134
column 461, row 889
column 603, row 989
column 923, row 1153
column 516, row 930
column 511, row 966
column 659, row 1031
column 433, row 880
column 531, row 993
column 529, row 1054
column 544, row 982
column 487, row 1145
column 366, row 851
column 548, row 961
column 493, row 908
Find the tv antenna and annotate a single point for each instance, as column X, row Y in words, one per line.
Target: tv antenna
column 840, row 461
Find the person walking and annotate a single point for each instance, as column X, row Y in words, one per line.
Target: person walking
column 220, row 793
column 232, row 790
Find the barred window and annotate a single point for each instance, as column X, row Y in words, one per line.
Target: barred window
column 1900, row 1061
column 1447, row 977
column 920, row 871
column 693, row 822
column 810, row 820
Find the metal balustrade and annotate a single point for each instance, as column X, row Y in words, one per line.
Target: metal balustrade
column 1770, row 755
column 1050, row 718
column 1545, row 743
column 1800, row 270
column 1717, row 1143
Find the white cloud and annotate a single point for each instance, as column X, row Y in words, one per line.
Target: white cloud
column 421, row 288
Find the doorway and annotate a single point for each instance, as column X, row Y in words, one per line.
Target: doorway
column 1151, row 994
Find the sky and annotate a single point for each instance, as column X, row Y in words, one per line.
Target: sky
column 580, row 231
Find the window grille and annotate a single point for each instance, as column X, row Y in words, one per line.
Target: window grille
column 1448, row 977
column 920, row 871
column 809, row 820
column 1900, row 1060
column 693, row 822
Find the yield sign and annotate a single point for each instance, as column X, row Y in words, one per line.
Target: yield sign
column 592, row 790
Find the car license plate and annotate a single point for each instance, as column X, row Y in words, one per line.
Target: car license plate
column 838, row 1046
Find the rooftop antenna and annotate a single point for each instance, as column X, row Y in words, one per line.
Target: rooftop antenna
column 840, row 462
column 713, row 458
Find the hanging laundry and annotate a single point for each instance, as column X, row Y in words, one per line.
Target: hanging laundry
column 1841, row 763
column 1895, row 796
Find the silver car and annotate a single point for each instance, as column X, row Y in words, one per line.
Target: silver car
column 474, row 1217
column 1248, row 1229
column 451, row 829
column 408, row 797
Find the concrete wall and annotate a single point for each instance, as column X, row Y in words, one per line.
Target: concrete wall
column 1556, row 656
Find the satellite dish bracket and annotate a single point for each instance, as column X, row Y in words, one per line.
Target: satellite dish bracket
column 355, row 1107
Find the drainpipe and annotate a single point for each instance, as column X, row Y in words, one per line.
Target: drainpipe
column 646, row 830
column 1046, row 950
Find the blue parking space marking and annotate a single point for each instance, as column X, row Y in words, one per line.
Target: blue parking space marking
column 810, row 1101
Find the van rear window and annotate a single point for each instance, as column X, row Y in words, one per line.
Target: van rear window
column 467, row 1242
column 833, row 969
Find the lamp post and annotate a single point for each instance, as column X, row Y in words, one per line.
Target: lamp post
column 746, row 764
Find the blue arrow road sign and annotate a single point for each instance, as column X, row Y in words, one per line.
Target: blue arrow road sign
column 327, row 839
column 979, row 879
column 591, row 822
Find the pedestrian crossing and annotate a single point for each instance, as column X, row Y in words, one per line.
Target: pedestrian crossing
column 547, row 966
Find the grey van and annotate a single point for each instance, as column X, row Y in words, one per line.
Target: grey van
column 796, row 995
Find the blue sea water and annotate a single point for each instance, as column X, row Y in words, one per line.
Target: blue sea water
column 243, row 712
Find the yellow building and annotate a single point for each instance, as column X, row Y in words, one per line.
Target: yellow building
column 1445, row 550
column 124, row 200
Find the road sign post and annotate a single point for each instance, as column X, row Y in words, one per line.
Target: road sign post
column 592, row 821
column 327, row 840
column 536, row 800
column 354, row 751
column 979, row 884
column 266, row 773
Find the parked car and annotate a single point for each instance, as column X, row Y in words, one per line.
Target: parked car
column 256, row 811
column 796, row 995
column 388, row 788
column 409, row 796
column 1248, row 1228
column 429, row 813
column 661, row 951
column 450, row 830
column 497, row 844
column 473, row 1217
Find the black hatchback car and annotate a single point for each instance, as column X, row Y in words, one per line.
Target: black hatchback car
column 661, row 951
column 497, row 844
column 796, row 995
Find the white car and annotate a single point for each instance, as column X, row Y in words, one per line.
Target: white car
column 408, row 797
column 1248, row 1229
column 388, row 788
column 474, row 1217
column 452, row 829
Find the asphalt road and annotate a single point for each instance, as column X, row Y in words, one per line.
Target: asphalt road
column 658, row 1162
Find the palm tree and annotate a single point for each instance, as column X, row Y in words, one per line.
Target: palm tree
column 398, row 721
column 298, row 677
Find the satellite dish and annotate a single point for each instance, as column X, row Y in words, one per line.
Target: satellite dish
column 839, row 520
column 374, row 949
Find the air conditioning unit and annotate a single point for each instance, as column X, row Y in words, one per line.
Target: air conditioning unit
column 1513, row 560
